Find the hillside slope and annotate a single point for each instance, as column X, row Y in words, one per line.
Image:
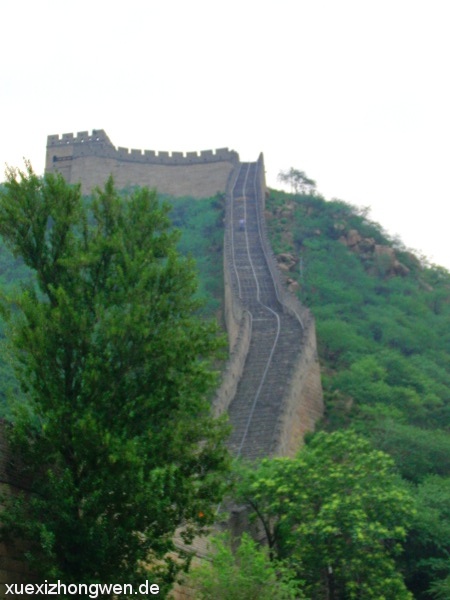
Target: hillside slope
column 383, row 329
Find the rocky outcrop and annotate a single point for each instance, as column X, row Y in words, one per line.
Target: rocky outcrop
column 383, row 257
column 286, row 261
column 387, row 256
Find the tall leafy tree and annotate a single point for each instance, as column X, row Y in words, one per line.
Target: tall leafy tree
column 338, row 511
column 116, row 434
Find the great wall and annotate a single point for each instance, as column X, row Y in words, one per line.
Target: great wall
column 90, row 159
column 271, row 387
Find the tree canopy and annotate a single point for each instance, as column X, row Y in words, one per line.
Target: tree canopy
column 116, row 368
column 298, row 180
column 242, row 573
column 382, row 314
column 338, row 512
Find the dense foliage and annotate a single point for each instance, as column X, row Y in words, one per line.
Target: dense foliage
column 382, row 318
column 115, row 367
column 243, row 573
column 337, row 513
column 201, row 224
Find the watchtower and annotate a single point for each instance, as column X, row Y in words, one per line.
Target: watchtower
column 90, row 159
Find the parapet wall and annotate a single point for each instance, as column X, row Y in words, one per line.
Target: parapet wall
column 90, row 159
column 238, row 324
column 303, row 405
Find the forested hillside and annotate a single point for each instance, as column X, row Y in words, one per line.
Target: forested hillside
column 383, row 328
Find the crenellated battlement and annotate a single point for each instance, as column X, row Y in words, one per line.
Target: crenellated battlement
column 81, row 137
column 98, row 144
column 90, row 158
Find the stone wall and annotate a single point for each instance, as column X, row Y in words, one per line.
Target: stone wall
column 303, row 405
column 90, row 159
column 238, row 325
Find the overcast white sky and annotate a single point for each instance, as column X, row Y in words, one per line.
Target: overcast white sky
column 354, row 92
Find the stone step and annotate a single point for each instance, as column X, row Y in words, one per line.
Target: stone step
column 257, row 407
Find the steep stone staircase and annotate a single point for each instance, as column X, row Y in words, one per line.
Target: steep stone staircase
column 257, row 409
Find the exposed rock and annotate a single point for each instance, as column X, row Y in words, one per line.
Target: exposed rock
column 286, row 257
column 286, row 261
column 366, row 245
column 384, row 251
column 283, row 266
column 392, row 266
column 399, row 268
column 292, row 285
column 353, row 238
column 368, row 249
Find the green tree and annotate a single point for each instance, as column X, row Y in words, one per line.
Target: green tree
column 116, row 434
column 300, row 183
column 244, row 574
column 427, row 555
column 417, row 452
column 338, row 511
